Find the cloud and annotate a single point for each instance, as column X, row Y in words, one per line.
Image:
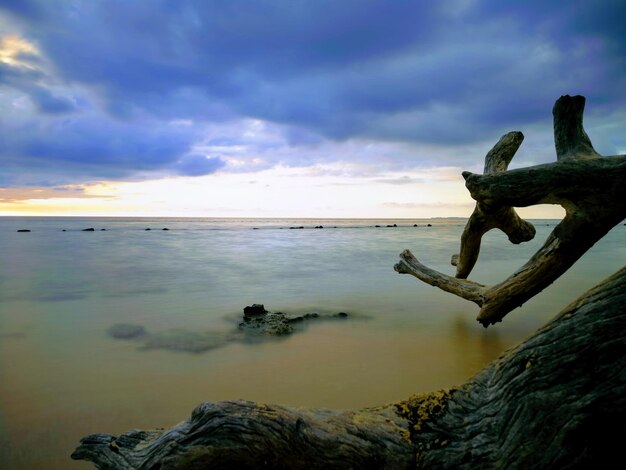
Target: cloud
column 106, row 79
column 198, row 165
column 60, row 150
column 19, row 195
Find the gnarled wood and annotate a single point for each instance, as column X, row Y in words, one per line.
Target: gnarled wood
column 552, row 402
column 489, row 215
column 590, row 189
column 570, row 139
column 247, row 435
column 468, row 290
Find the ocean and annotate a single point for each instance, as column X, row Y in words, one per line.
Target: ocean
column 63, row 376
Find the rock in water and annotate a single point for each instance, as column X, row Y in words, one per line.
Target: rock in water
column 258, row 325
column 260, row 322
column 254, row 310
column 268, row 324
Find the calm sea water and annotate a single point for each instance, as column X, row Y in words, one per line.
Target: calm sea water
column 62, row 376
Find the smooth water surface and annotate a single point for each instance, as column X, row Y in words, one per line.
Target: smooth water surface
column 62, row 376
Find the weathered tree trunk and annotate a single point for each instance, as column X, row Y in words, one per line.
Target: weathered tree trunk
column 552, row 402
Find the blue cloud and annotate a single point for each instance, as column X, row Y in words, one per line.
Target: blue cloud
column 198, row 165
column 61, row 150
column 47, row 102
column 450, row 73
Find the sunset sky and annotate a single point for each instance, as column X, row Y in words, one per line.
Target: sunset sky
column 290, row 108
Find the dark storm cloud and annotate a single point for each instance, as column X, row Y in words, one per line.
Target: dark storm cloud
column 60, row 151
column 449, row 72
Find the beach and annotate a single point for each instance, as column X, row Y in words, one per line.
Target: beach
column 61, row 288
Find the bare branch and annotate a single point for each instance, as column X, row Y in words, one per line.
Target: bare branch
column 488, row 215
column 590, row 188
column 463, row 288
column 570, row 139
column 571, row 239
column 564, row 183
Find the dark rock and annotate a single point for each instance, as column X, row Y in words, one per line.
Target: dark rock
column 429, row 225
column 126, row 331
column 103, row 230
column 319, row 226
column 63, row 230
column 414, row 225
column 279, row 324
column 165, row 228
column 254, row 310
column 270, row 324
column 23, row 230
column 91, row 229
column 378, row 226
column 148, row 229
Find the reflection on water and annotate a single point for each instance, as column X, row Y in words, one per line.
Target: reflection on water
column 474, row 350
column 62, row 376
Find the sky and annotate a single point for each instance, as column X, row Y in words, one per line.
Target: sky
column 291, row 108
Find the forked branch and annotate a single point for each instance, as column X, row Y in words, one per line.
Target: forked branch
column 590, row 188
column 488, row 214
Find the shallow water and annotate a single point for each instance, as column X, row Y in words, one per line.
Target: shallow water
column 62, row 376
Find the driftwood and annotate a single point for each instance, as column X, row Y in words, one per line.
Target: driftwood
column 590, row 188
column 552, row 402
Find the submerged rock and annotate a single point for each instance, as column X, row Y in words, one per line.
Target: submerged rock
column 258, row 324
column 264, row 323
column 126, row 331
column 187, row 341
column 269, row 324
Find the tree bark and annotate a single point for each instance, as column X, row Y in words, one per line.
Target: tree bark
column 552, row 402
